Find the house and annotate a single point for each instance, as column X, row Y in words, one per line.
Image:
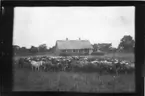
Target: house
column 76, row 47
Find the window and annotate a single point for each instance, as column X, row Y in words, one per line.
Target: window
column 80, row 50
column 63, row 50
column 74, row 50
column 68, row 50
column 85, row 50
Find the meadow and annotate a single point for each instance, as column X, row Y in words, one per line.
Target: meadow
column 28, row 80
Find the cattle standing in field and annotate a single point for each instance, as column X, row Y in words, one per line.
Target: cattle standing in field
column 20, row 62
column 109, row 66
column 23, row 63
column 47, row 65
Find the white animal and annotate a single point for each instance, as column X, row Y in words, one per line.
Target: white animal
column 95, row 62
column 35, row 64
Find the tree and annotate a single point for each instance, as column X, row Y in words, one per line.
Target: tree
column 24, row 50
column 52, row 49
column 42, row 48
column 126, row 43
column 33, row 49
column 95, row 46
column 16, row 49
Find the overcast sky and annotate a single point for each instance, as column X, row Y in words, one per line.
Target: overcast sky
column 38, row 25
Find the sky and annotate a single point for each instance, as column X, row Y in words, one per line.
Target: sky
column 45, row 25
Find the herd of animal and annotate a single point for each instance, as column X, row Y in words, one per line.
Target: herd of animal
column 75, row 63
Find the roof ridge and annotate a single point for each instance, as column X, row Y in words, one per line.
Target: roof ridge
column 72, row 40
column 74, row 44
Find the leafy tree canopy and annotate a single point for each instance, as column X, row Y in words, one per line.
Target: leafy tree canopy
column 126, row 43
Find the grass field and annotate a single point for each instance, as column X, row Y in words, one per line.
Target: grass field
column 27, row 80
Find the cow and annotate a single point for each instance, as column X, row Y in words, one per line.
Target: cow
column 35, row 64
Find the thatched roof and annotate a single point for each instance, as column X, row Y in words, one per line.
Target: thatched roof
column 73, row 44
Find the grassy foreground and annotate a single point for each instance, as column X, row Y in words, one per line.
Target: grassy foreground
column 26, row 80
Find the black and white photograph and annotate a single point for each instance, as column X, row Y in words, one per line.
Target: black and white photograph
column 74, row 49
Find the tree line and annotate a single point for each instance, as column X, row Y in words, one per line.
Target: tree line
column 32, row 50
column 126, row 44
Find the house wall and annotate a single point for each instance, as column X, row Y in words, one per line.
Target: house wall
column 76, row 52
column 72, row 51
column 57, row 51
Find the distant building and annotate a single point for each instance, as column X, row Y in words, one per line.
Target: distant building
column 104, row 46
column 100, row 45
column 73, row 47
